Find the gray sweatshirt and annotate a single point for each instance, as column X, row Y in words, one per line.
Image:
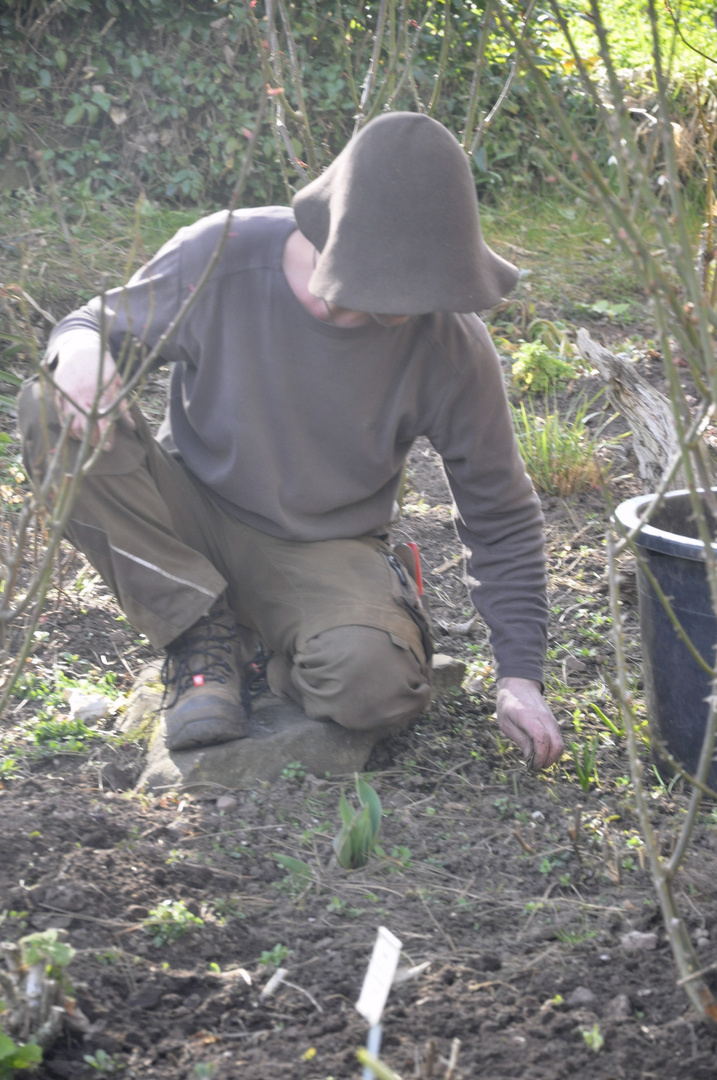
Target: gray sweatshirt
column 301, row 429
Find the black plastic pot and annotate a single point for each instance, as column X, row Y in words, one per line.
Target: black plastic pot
column 676, row 687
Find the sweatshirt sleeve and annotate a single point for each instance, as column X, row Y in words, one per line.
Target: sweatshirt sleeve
column 131, row 319
column 497, row 512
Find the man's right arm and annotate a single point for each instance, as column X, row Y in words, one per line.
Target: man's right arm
column 85, row 376
column 91, row 350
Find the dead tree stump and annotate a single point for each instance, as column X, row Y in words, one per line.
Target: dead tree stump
column 648, row 412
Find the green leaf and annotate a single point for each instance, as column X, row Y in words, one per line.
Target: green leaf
column 26, row 1055
column 342, row 849
column 60, row 59
column 74, row 115
column 7, row 1046
column 368, row 797
column 103, row 101
column 44, row 947
column 297, row 867
column 14, row 1056
column 346, row 812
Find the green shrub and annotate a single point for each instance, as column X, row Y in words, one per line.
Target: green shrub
column 537, row 370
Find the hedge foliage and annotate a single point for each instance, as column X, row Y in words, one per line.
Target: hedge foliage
column 122, row 97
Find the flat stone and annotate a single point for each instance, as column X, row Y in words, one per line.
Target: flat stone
column 636, row 941
column 581, row 995
column 280, row 733
column 618, row 1008
column 447, row 674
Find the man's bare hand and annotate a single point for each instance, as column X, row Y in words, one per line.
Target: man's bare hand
column 526, row 719
column 79, row 376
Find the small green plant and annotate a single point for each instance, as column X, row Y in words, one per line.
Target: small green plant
column 224, row 907
column 299, row 873
column 8, row 767
column 358, row 836
column 604, row 307
column 593, row 1038
column 294, row 771
column 274, row 957
column 63, row 735
column 403, row 856
column 585, row 759
column 204, row 1070
column 108, row 956
column 537, row 370
column 46, row 947
column 50, row 691
column 665, row 787
column 619, row 732
column 169, row 921
column 103, row 1062
column 15, row 1056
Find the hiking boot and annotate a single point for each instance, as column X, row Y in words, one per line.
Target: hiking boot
column 203, row 701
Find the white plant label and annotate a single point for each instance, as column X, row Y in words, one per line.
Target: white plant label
column 381, row 970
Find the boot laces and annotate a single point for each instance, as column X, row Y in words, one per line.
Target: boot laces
column 254, row 681
column 202, row 654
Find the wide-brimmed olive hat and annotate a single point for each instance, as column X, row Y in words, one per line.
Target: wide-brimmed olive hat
column 395, row 220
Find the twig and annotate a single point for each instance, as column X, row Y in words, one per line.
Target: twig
column 306, row 994
column 33, row 303
column 373, row 64
column 453, row 1060
column 488, row 120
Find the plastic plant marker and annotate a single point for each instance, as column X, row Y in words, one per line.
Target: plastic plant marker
column 379, row 976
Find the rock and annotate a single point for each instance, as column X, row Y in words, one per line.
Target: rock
column 226, row 802
column 447, row 673
column 580, row 996
column 618, row 1008
column 636, row 941
column 147, row 997
column 88, row 709
column 141, row 713
column 280, row 733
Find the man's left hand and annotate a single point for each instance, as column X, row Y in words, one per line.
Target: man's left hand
column 526, row 719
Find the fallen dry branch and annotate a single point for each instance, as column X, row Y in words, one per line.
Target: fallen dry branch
column 648, row 412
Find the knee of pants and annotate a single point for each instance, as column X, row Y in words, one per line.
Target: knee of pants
column 360, row 677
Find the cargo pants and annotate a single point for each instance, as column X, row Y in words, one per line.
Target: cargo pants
column 341, row 619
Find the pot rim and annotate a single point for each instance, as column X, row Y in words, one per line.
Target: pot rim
column 653, row 538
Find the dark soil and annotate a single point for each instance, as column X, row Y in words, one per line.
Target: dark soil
column 510, row 892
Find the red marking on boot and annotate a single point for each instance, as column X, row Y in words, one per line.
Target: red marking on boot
column 198, row 680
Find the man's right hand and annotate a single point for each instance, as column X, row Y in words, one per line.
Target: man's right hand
column 78, row 376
